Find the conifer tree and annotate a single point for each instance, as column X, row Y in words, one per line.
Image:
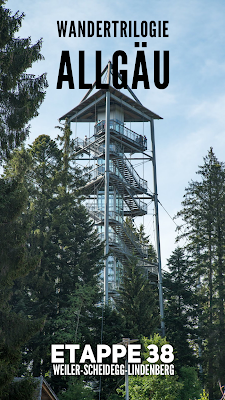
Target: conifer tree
column 143, row 239
column 15, row 260
column 64, row 287
column 20, row 96
column 180, row 308
column 203, row 213
column 20, row 93
column 137, row 302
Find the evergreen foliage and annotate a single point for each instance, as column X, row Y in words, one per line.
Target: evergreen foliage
column 64, row 287
column 20, row 93
column 191, row 388
column 15, row 260
column 203, row 214
column 77, row 390
column 22, row 390
column 180, row 308
column 20, row 96
column 137, row 302
column 142, row 238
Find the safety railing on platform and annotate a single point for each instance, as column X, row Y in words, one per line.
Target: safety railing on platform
column 100, row 170
column 120, row 128
column 99, row 214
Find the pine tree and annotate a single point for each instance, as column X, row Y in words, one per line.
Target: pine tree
column 203, row 213
column 37, row 292
column 20, row 96
column 137, row 302
column 64, row 287
column 143, row 239
column 15, row 260
column 180, row 308
column 20, row 93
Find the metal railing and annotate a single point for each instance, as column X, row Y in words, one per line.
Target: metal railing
column 100, row 170
column 120, row 128
column 89, row 144
column 97, row 214
column 115, row 240
column 140, row 204
column 142, row 183
column 116, row 150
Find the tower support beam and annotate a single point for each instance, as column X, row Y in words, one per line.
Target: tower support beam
column 161, row 306
column 106, row 216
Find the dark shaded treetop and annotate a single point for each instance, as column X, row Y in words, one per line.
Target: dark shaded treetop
column 15, row 261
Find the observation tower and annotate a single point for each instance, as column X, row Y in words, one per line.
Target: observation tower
column 115, row 190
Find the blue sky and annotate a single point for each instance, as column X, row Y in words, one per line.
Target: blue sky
column 192, row 106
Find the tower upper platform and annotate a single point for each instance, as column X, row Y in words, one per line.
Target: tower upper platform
column 87, row 110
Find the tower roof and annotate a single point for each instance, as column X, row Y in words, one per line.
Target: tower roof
column 86, row 111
